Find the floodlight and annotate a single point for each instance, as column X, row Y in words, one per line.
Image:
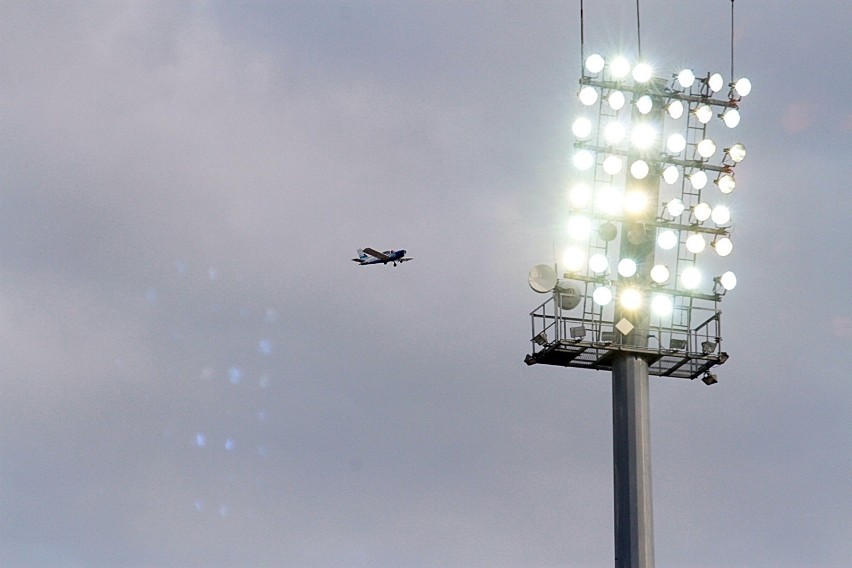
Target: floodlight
column 579, row 228
column 742, row 87
column 721, row 215
column 578, row 332
column 594, row 63
column 639, row 169
column 675, row 109
column 612, row 165
column 661, row 304
column 580, row 195
column 607, row 231
column 614, row 133
column 728, row 280
column 660, row 274
column 644, row 104
column 635, row 200
column 706, row 148
column 598, row 263
column 715, row 82
column 708, row 347
column 574, row 259
column 541, row 338
column 642, row 73
column 709, row 379
column 583, row 159
column 676, row 143
column 643, row 135
column 667, row 239
column 698, row 179
column 608, row 200
column 582, row 127
column 619, row 68
column 588, row 95
column 636, row 234
column 737, row 152
column 690, row 278
column 702, row 212
column 675, row 207
column 731, row 117
column 686, row 78
column 703, row 112
column 670, row 174
column 627, row 267
column 602, row 296
column 630, row 299
column 616, row 100
column 726, row 183
column 723, row 246
column 695, row 243
column 677, row 344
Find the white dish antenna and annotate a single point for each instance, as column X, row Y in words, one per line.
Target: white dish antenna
column 542, row 278
column 569, row 294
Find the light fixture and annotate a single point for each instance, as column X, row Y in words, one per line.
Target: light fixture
column 726, row 183
column 677, row 344
column 675, row 109
column 706, row 148
column 723, row 246
column 627, row 267
column 709, row 379
column 608, row 200
column 644, row 104
column 580, row 195
column 619, row 68
column 675, row 207
column 660, row 274
column 667, row 239
column 721, row 215
column 607, row 231
column 742, row 87
column 578, row 332
column 574, row 259
column 616, row 100
column 715, row 82
column 639, row 169
column 602, row 296
column 698, row 179
column 541, row 338
column 598, row 263
column 686, row 78
column 695, row 243
column 728, row 280
column 708, row 347
column 614, row 132
column 612, row 164
column 690, row 278
column 642, row 73
column 583, row 160
column 582, row 127
column 579, row 228
column 670, row 174
column 737, row 152
column 702, row 212
column 661, row 305
column 703, row 112
column 594, row 63
column 635, row 200
column 588, row 95
column 630, row 299
column 643, row 136
column 731, row 117
column 676, row 143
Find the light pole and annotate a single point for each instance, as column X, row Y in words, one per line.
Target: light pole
column 648, row 208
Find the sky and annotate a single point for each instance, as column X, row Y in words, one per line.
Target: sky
column 194, row 374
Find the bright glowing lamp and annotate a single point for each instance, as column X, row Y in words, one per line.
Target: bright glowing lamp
column 627, row 267
column 667, row 239
column 616, row 100
column 635, row 201
column 742, row 87
column 574, row 259
column 676, row 143
column 728, row 280
column 602, row 296
column 695, row 243
column 594, row 63
column 661, row 305
column 686, row 78
column 588, row 95
column 702, row 212
column 698, row 179
column 579, row 228
column 721, row 215
column 715, row 82
column 670, row 174
column 737, row 152
column 639, row 169
column 660, row 274
column 703, row 113
column 619, row 68
column 675, row 207
column 642, row 73
column 643, row 135
column 582, row 127
column 631, row 299
column 731, row 117
column 598, row 263
column 726, row 183
column 723, row 246
column 583, row 160
column 612, row 165
column 706, row 148
column 644, row 104
column 580, row 195
column 690, row 278
column 614, row 133
column 675, row 109
column 608, row 200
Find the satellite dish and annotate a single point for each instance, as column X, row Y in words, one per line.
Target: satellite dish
column 542, row 278
column 569, row 294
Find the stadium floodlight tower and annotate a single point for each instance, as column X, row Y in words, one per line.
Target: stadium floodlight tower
column 648, row 221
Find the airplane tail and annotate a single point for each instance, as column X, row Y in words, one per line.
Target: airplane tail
column 361, row 254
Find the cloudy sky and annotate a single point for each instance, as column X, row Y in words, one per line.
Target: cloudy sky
column 194, row 374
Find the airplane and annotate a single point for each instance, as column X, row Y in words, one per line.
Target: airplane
column 372, row 256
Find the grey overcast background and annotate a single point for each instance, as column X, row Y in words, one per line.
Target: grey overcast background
column 194, row 374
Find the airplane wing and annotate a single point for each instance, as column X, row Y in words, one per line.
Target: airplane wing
column 377, row 254
column 404, row 259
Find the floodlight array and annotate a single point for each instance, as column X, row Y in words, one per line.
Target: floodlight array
column 636, row 131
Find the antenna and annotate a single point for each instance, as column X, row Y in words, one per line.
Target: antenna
column 582, row 38
column 732, row 41
column 639, row 32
